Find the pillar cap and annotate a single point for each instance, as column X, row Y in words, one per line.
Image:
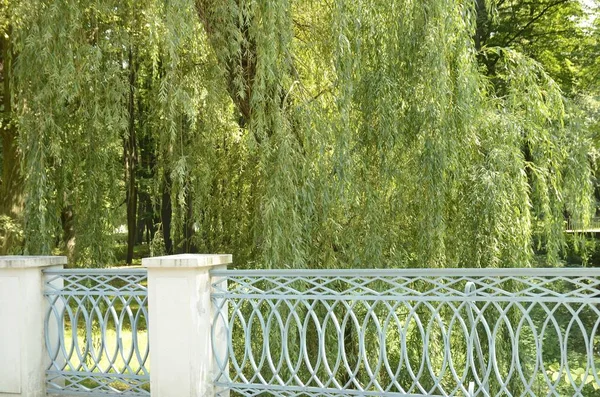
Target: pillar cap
column 22, row 262
column 187, row 261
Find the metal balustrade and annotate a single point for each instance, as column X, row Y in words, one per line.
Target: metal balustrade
column 579, row 227
column 452, row 332
column 96, row 332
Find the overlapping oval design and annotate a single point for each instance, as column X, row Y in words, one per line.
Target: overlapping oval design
column 467, row 332
column 96, row 331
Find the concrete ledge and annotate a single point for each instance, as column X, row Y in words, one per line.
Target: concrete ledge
column 187, row 261
column 22, row 262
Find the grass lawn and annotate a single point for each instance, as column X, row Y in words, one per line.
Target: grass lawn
column 115, row 356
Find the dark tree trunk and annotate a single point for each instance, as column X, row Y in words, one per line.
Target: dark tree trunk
column 11, row 184
column 67, row 221
column 145, row 220
column 188, row 231
column 483, row 29
column 247, row 60
column 166, row 213
column 131, row 159
column 140, row 227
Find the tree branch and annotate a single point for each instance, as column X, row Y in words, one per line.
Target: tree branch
column 534, row 20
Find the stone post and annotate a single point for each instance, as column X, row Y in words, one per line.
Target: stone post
column 23, row 356
column 180, row 319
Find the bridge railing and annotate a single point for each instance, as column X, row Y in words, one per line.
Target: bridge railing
column 88, row 332
column 96, row 332
column 575, row 226
column 481, row 332
column 433, row 332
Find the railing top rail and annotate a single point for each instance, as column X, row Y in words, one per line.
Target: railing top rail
column 102, row 282
column 422, row 272
column 96, row 271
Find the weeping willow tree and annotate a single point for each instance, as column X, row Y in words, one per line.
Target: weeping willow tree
column 92, row 80
column 292, row 134
column 377, row 140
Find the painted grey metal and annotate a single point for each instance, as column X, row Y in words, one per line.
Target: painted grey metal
column 419, row 332
column 471, row 290
column 96, row 332
column 592, row 226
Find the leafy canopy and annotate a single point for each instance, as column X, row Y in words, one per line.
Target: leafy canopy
column 300, row 133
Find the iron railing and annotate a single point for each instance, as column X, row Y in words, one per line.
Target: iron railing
column 453, row 332
column 96, row 332
column 575, row 226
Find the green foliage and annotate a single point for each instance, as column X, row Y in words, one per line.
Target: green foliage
column 73, row 70
column 11, row 235
column 554, row 33
column 301, row 134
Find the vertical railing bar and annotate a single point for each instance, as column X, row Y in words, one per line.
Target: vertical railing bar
column 471, row 290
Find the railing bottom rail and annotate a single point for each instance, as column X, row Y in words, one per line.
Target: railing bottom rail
column 246, row 389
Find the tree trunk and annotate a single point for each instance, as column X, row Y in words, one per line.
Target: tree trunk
column 483, row 29
column 144, row 218
column 146, row 168
column 188, row 231
column 130, row 150
column 166, row 213
column 247, row 59
column 68, row 227
column 11, row 184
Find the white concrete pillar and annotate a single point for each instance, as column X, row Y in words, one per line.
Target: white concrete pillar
column 180, row 318
column 23, row 356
